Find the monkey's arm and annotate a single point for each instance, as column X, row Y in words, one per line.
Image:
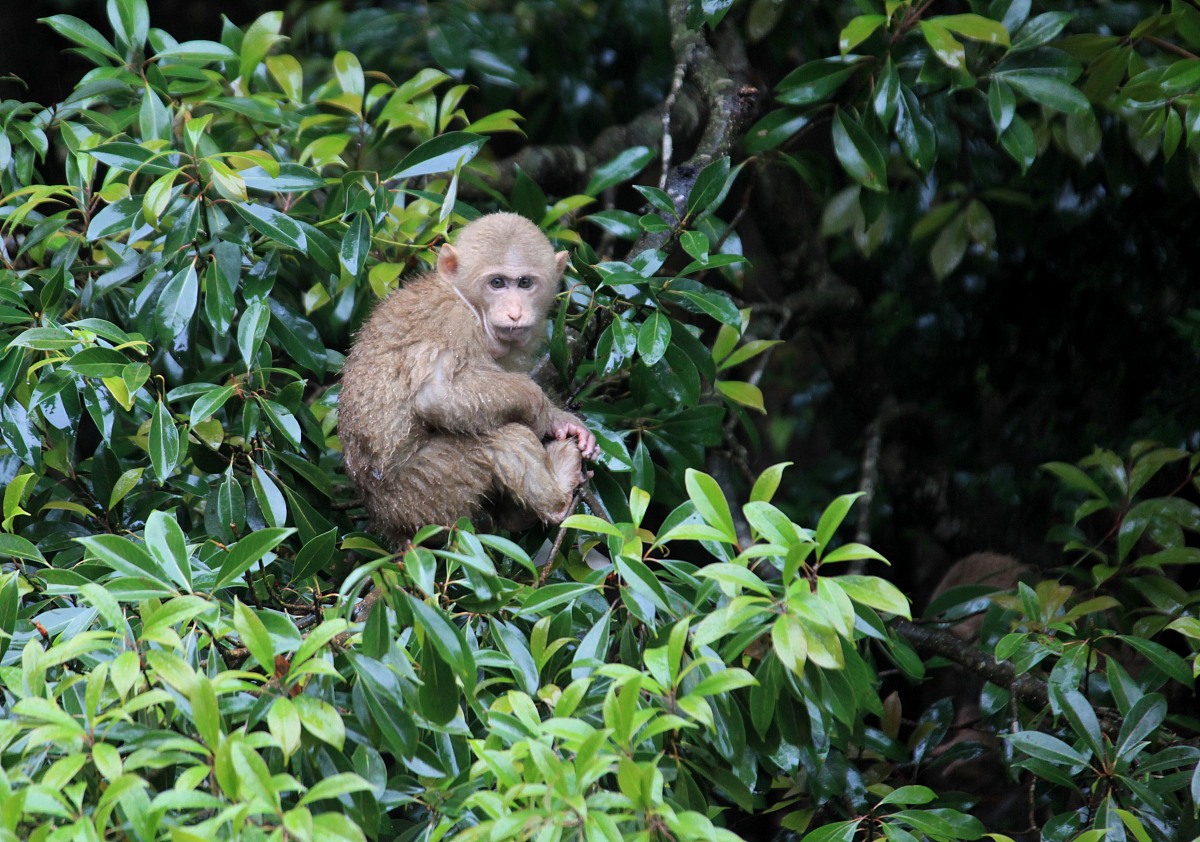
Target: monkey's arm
column 480, row 399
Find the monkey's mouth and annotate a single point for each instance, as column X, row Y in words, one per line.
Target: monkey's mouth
column 511, row 333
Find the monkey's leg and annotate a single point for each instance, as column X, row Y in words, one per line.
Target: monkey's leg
column 540, row 479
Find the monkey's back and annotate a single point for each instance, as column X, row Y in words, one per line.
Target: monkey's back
column 393, row 357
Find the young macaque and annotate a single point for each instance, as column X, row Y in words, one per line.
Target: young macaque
column 438, row 417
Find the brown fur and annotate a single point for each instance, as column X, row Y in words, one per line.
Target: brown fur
column 438, row 418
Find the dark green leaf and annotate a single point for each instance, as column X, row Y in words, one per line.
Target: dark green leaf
column 816, row 81
column 444, row 153
column 859, row 155
column 272, row 224
column 628, row 163
column 653, row 337
column 163, row 442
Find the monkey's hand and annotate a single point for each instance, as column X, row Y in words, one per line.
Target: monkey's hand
column 564, row 426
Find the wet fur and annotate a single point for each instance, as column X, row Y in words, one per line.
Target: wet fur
column 433, row 426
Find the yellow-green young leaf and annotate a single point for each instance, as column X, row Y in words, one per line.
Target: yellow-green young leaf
column 790, row 643
column 257, row 42
column 876, row 593
column 254, row 636
column 68, row 506
column 723, row 345
column 944, row 45
column 740, row 392
column 283, row 721
column 768, row 482
column 334, row 786
column 858, row 30
column 591, row 523
column 734, row 577
column 286, row 72
column 205, row 714
column 228, row 183
column 563, row 207
column 748, row 351
column 321, row 719
column 501, row 121
column 975, row 27
column 14, row 493
column 710, row 502
column 852, row 552
column 158, row 195
column 119, row 389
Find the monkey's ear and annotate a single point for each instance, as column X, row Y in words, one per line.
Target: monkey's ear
column 560, row 262
column 447, row 262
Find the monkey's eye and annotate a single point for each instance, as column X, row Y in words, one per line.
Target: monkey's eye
column 524, row 282
column 496, row 282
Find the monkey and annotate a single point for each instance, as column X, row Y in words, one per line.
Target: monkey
column 438, row 416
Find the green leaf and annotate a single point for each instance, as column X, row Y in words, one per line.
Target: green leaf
column 1020, row 143
column 260, row 36
column 548, row 597
column 254, row 636
column 1048, row 748
column 247, row 552
column 815, row 81
column 1040, row 30
column 272, row 224
column 83, row 34
column 832, row 518
column 628, row 163
column 356, row 244
column 745, row 394
column 859, row 29
column 177, row 303
column 710, row 502
column 1047, row 89
column 438, row 693
column 857, row 152
column 9, row 603
column 334, row 787
column 944, row 45
column 299, row 338
column 711, row 187
column 163, row 442
column 168, row 546
column 200, row 51
column 125, row 557
column 1143, row 718
column 1082, row 717
column 722, row 682
column 207, row 404
column 833, row 832
column 447, row 639
column 886, row 101
column 654, row 337
column 444, row 153
column 975, row 27
column 1161, row 657
column 1002, row 104
column 315, row 555
column 252, row 327
column 97, row 362
column 876, row 593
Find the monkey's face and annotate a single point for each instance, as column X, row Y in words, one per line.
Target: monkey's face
column 507, row 271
